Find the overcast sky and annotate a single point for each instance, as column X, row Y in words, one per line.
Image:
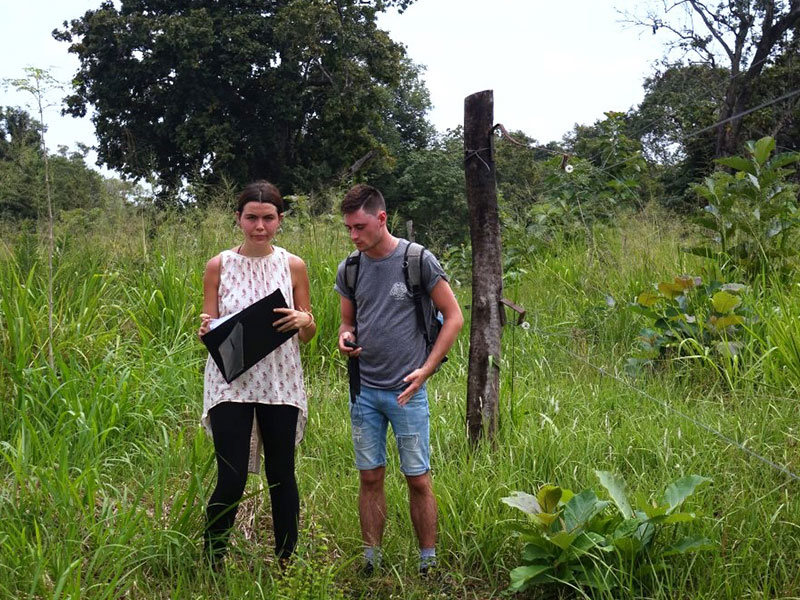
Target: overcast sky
column 551, row 64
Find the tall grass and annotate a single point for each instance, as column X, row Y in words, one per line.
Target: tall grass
column 105, row 470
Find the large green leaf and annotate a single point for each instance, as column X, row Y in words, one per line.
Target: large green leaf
column 524, row 502
column 604, row 524
column 679, row 517
column 546, row 519
column 548, row 497
column 532, row 553
column 671, row 289
column 680, row 490
column 737, row 162
column 707, row 222
column 720, row 323
column 628, row 546
column 616, row 488
column 521, row 576
column 524, row 528
column 581, row 508
column 563, row 539
column 783, row 159
column 642, row 311
column 724, row 302
column 763, row 148
column 648, row 298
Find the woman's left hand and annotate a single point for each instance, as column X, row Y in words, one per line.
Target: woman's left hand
column 294, row 319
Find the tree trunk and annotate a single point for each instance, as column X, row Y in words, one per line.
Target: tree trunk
column 740, row 88
column 483, row 382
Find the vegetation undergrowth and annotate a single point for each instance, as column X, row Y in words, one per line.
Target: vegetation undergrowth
column 105, row 470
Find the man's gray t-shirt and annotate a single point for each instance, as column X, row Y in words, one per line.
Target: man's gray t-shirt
column 392, row 343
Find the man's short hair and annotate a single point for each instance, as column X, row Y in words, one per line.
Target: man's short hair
column 363, row 196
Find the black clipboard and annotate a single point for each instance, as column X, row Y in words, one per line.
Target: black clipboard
column 247, row 337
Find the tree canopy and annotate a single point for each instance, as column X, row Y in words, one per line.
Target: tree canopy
column 743, row 37
column 22, row 171
column 210, row 90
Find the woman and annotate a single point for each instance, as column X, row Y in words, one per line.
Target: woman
column 267, row 403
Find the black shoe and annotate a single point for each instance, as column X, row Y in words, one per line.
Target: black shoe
column 214, row 554
column 367, row 569
column 427, row 569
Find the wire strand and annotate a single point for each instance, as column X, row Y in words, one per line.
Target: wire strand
column 718, row 434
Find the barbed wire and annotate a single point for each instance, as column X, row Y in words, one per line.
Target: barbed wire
column 715, row 432
column 786, row 96
column 606, row 170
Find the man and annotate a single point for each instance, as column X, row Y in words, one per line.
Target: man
column 379, row 319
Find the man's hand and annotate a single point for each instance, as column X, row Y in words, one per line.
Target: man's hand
column 352, row 350
column 415, row 380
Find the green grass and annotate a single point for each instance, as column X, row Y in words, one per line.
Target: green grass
column 105, row 471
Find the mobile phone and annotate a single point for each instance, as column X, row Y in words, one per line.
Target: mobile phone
column 351, row 344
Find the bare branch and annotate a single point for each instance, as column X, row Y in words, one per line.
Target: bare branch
column 710, row 19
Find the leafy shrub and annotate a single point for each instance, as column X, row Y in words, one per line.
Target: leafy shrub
column 688, row 315
column 578, row 539
column 751, row 215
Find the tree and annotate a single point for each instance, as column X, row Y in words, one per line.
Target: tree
column 780, row 121
column 611, row 171
column 741, row 36
column 39, row 83
column 21, row 164
column 22, row 172
column 201, row 90
column 428, row 187
column 679, row 101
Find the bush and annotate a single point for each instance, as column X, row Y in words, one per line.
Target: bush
column 751, row 215
column 580, row 540
column 687, row 316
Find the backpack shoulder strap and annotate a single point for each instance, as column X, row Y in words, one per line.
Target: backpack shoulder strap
column 412, row 265
column 412, row 271
column 351, row 266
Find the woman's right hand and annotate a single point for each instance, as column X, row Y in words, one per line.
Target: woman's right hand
column 205, row 324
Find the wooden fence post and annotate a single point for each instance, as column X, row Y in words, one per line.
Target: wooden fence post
column 483, row 381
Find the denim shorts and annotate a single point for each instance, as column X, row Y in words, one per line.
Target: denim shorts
column 370, row 415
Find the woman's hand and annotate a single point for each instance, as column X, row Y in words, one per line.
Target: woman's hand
column 294, row 319
column 205, row 324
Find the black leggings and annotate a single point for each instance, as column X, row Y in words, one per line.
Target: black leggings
column 231, row 424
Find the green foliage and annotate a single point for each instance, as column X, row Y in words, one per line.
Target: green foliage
column 428, row 188
column 201, row 90
column 617, row 174
column 22, row 190
column 742, row 37
column 579, row 540
column 547, row 194
column 105, row 472
column 752, row 214
column 688, row 317
column 679, row 100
